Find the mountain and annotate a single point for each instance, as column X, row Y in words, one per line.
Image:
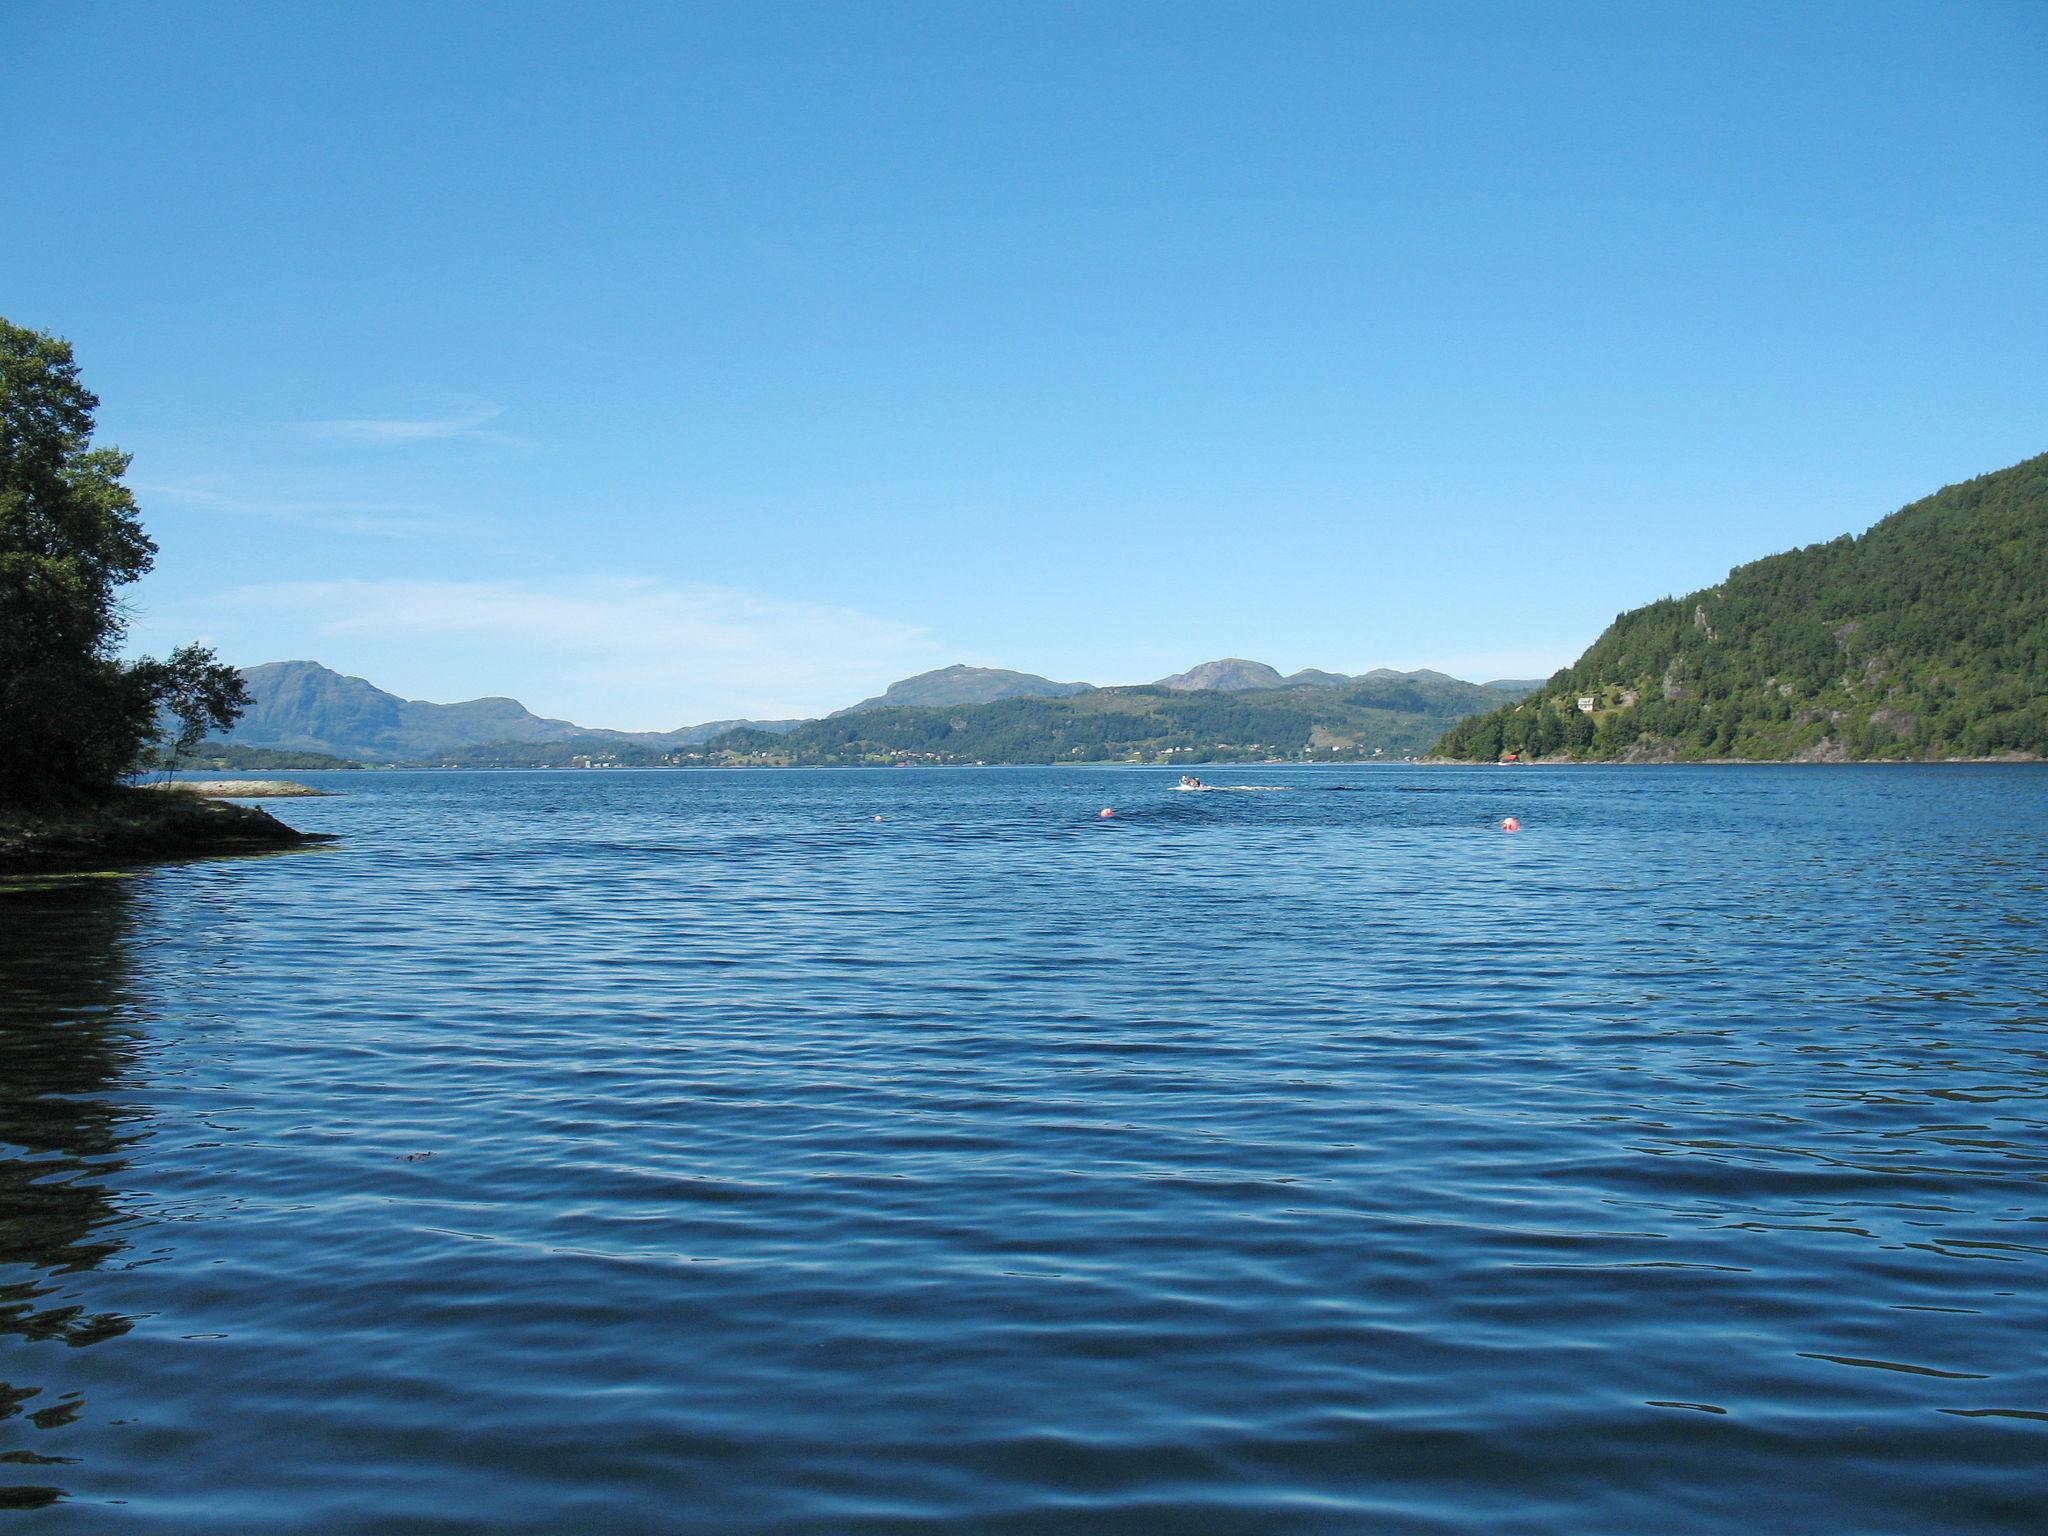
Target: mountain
column 1924, row 637
column 301, row 706
column 1365, row 717
column 964, row 714
column 1310, row 677
column 1231, row 675
column 964, row 685
column 1235, row 675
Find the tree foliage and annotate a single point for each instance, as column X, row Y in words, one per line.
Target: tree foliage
column 74, row 717
column 1925, row 637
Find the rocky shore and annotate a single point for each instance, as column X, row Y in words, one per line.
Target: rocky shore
column 238, row 789
column 131, row 826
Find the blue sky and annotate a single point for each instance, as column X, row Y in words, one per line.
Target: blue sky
column 673, row 363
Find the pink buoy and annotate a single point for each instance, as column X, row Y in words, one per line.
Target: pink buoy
column 1511, row 825
column 1105, row 813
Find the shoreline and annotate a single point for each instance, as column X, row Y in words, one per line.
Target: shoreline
column 137, row 826
column 242, row 789
column 2008, row 759
column 223, row 789
column 236, row 789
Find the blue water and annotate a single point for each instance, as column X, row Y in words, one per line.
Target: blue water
column 642, row 1152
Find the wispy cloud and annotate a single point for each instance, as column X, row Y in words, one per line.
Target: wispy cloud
column 616, row 651
column 240, row 498
column 470, row 419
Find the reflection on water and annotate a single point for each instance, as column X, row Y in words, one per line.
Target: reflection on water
column 67, row 1040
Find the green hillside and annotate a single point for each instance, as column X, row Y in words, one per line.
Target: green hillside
column 1383, row 716
column 225, row 756
column 1926, row 637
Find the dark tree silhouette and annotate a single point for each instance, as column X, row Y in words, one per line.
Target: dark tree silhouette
column 74, row 717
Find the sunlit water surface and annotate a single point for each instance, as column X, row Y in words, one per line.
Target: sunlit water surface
column 693, row 1152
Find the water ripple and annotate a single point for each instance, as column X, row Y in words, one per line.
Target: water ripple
column 692, row 1152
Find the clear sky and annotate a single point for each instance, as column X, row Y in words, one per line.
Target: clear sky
column 666, row 363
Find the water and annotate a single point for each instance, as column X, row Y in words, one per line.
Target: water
column 690, row 1152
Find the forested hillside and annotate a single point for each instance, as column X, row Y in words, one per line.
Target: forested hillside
column 1925, row 637
column 1383, row 716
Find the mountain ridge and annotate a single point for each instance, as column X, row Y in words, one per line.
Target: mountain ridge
column 1232, row 674
column 1386, row 716
column 962, row 684
column 306, row 707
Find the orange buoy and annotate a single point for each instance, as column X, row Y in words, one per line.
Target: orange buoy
column 1105, row 813
column 1511, row 825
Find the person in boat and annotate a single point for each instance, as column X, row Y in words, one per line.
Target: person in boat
column 1189, row 781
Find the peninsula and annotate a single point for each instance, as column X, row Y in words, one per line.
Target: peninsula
column 124, row 825
column 80, row 720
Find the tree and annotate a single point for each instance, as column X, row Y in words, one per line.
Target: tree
column 74, row 718
column 194, row 690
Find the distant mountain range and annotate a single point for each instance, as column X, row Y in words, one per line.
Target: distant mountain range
column 1233, row 674
column 301, row 706
column 1924, row 637
column 1384, row 714
column 304, row 707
